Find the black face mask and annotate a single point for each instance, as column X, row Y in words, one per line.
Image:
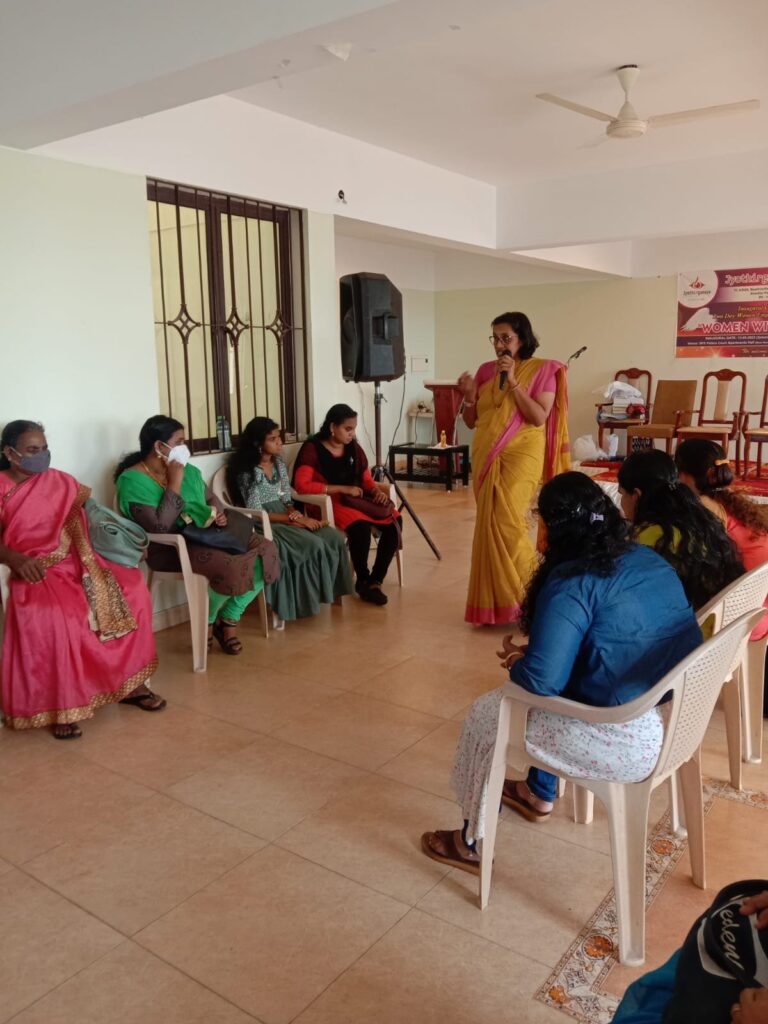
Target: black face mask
column 37, row 463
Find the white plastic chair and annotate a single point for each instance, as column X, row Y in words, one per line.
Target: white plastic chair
column 743, row 693
column 695, row 685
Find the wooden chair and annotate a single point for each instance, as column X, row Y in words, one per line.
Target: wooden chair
column 607, row 422
column 671, row 409
column 721, row 426
column 694, row 685
column 758, row 434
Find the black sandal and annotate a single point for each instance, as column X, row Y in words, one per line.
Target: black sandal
column 140, row 701
column 74, row 733
column 229, row 644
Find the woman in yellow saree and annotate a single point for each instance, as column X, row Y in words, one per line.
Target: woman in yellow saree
column 518, row 406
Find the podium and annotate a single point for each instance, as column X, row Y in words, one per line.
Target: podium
column 447, row 403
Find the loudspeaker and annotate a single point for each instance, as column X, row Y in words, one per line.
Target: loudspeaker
column 372, row 345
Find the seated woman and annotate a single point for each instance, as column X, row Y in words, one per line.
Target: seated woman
column 314, row 561
column 606, row 620
column 333, row 463
column 670, row 519
column 162, row 492
column 704, row 467
column 78, row 629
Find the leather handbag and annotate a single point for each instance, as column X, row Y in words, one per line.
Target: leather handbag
column 235, row 537
column 368, row 507
column 115, row 538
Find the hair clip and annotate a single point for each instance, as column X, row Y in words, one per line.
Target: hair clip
column 722, row 462
column 596, row 517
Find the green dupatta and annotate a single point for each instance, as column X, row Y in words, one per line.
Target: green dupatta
column 136, row 488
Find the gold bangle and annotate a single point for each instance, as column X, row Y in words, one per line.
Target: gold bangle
column 515, row 386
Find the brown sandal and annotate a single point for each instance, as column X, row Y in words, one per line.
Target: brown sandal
column 512, row 798
column 74, row 732
column 229, row 644
column 451, row 855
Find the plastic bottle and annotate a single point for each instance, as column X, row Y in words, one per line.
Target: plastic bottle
column 443, row 442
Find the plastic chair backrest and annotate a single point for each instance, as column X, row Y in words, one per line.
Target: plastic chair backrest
column 219, row 485
column 746, row 594
column 696, row 684
column 672, row 396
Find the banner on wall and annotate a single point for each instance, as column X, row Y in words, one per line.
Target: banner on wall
column 722, row 313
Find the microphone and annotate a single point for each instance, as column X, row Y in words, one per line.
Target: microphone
column 577, row 353
column 503, row 374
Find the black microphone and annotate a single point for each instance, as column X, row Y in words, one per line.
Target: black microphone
column 503, row 374
column 576, row 354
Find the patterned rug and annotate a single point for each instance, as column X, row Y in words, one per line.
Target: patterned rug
column 576, row 986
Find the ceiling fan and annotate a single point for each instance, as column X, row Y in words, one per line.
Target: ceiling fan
column 627, row 124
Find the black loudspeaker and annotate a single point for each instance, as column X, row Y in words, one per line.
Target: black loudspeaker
column 372, row 345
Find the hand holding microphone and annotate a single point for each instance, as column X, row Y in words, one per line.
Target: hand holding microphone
column 506, row 365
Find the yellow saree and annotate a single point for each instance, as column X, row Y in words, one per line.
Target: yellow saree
column 510, row 459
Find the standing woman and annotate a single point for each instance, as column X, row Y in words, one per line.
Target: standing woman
column 78, row 629
column 314, row 561
column 333, row 463
column 159, row 489
column 518, row 406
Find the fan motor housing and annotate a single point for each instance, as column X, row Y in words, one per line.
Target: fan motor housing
column 627, row 129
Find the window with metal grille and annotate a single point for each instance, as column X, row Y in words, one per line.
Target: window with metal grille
column 230, row 313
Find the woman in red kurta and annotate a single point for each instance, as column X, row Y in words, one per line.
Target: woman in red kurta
column 333, row 463
column 78, row 629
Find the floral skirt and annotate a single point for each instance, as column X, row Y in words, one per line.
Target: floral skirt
column 620, row 753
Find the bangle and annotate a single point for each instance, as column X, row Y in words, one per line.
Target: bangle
column 515, row 386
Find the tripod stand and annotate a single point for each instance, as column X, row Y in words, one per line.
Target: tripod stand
column 380, row 471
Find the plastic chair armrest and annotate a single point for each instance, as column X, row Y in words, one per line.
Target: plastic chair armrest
column 585, row 712
column 255, row 513
column 321, row 501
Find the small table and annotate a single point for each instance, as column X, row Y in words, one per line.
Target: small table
column 447, row 472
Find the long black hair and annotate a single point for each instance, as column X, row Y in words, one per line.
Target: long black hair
column 335, row 416
column 157, row 428
column 10, row 437
column 521, row 325
column 692, row 540
column 247, row 455
column 708, row 465
column 586, row 533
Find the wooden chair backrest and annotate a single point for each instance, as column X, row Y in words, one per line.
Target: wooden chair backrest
column 632, row 375
column 721, row 383
column 673, row 396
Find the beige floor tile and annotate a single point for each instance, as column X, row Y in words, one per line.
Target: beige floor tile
column 44, row 940
column 260, row 700
column 358, row 730
column 543, row 892
column 165, row 748
column 54, row 801
column 337, row 662
column 271, row 935
column 5, row 866
column 370, row 833
column 429, row 685
column 131, row 871
column 268, row 787
column 428, row 971
column 131, row 986
column 427, row 764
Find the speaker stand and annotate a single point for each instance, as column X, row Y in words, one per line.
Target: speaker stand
column 381, row 472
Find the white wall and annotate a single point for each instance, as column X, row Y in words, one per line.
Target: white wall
column 624, row 322
column 76, row 302
column 231, row 145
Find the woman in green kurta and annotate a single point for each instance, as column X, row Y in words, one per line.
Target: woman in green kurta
column 162, row 492
column 313, row 556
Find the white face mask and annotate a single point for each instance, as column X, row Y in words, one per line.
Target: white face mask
column 180, row 454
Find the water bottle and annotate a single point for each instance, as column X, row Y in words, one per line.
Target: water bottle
column 223, row 434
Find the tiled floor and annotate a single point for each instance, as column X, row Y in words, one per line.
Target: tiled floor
column 253, row 852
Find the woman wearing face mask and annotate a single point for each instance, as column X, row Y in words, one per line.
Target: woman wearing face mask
column 159, row 489
column 78, row 629
column 313, row 556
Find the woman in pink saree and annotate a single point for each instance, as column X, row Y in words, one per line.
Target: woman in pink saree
column 518, row 406
column 78, row 629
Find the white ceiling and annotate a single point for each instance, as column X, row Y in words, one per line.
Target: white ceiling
column 463, row 98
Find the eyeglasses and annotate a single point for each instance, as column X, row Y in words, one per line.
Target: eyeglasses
column 503, row 338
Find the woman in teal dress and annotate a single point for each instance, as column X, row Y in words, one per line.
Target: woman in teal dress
column 313, row 556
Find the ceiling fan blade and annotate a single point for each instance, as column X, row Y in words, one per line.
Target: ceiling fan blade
column 577, row 108
column 594, row 143
column 681, row 116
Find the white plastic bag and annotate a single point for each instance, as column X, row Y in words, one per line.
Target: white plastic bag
column 620, row 389
column 585, row 449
